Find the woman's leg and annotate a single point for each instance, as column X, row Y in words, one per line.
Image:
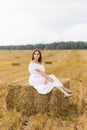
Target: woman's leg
column 66, row 94
column 67, row 90
column 59, row 85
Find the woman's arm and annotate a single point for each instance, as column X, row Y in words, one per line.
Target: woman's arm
column 44, row 75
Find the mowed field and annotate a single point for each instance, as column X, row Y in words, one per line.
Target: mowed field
column 70, row 64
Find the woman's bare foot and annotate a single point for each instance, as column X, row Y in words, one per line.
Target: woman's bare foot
column 68, row 95
column 70, row 92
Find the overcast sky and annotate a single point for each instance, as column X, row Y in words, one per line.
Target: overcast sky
column 42, row 21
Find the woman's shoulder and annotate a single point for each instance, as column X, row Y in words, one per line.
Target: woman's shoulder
column 31, row 61
column 35, row 63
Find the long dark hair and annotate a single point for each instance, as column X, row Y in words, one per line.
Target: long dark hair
column 40, row 58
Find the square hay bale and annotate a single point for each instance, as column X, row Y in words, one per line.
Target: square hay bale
column 28, row 101
column 15, row 64
column 48, row 62
column 17, row 57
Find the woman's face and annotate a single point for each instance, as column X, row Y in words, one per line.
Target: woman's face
column 36, row 55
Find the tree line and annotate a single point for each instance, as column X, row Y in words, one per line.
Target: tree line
column 48, row 46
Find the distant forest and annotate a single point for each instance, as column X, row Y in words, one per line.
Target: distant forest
column 50, row 46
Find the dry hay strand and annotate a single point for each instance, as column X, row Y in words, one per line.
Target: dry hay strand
column 2, row 92
column 58, row 104
column 41, row 102
column 28, row 101
column 18, row 97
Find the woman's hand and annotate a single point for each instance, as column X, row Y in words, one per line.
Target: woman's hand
column 45, row 81
column 46, row 77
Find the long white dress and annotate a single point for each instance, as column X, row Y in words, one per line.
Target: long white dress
column 37, row 80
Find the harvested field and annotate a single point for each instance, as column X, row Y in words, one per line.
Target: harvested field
column 71, row 64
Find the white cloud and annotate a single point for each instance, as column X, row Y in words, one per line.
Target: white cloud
column 34, row 21
column 75, row 33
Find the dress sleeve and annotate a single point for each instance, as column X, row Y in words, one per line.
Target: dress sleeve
column 31, row 67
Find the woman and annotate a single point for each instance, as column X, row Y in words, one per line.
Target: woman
column 42, row 82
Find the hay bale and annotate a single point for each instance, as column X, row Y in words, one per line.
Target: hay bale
column 28, row 101
column 48, row 62
column 17, row 57
column 15, row 64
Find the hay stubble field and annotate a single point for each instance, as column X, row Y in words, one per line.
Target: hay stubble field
column 70, row 64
